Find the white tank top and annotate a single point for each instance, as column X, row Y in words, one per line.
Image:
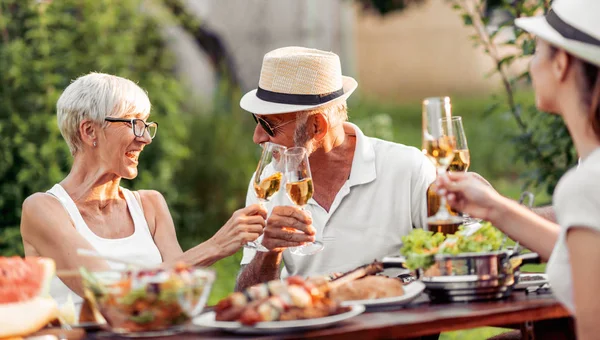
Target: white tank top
column 138, row 247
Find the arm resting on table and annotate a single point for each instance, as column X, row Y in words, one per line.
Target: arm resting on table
column 264, row 267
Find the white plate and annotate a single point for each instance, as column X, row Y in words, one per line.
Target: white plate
column 531, row 283
column 394, row 259
column 451, row 278
column 411, row 292
column 274, row 327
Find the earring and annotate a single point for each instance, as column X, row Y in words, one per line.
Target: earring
column 95, row 144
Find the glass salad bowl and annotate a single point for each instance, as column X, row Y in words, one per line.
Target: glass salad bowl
column 140, row 301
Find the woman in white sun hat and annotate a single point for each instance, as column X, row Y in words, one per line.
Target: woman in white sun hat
column 566, row 78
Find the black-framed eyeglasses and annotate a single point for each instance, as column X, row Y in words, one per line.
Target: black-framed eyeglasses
column 267, row 127
column 138, row 126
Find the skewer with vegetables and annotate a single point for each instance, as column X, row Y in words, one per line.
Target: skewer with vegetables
column 290, row 299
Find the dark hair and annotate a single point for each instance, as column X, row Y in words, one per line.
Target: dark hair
column 590, row 86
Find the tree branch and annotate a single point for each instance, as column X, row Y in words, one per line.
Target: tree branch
column 486, row 40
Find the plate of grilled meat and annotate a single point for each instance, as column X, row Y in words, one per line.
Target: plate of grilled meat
column 275, row 327
column 287, row 305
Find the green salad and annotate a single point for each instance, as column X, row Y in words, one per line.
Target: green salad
column 419, row 246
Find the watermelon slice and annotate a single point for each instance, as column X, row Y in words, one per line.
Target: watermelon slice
column 23, row 279
column 25, row 306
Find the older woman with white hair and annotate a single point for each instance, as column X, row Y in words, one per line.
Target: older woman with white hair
column 103, row 119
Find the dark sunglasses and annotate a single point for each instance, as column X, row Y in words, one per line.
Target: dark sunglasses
column 138, row 126
column 267, row 127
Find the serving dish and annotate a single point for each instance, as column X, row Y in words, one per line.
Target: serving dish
column 149, row 301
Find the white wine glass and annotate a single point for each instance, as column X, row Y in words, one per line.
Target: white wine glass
column 462, row 157
column 439, row 144
column 299, row 188
column 267, row 179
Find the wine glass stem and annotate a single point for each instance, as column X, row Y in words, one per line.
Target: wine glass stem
column 302, row 207
column 443, row 204
column 440, row 170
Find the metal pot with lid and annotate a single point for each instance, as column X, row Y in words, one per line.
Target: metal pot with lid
column 473, row 276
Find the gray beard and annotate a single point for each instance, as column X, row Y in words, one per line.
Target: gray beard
column 301, row 134
column 301, row 138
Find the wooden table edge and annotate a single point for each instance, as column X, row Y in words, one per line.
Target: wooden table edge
column 430, row 327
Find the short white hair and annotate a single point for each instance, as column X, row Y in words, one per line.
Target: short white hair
column 94, row 97
column 336, row 114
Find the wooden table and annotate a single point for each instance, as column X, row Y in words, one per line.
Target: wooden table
column 423, row 318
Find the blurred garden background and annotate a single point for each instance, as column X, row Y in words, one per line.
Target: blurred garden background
column 196, row 58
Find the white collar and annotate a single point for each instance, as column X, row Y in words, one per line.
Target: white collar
column 363, row 164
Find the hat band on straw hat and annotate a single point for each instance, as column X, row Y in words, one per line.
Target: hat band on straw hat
column 568, row 31
column 297, row 99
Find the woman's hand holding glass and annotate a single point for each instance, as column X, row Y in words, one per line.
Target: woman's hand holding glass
column 468, row 193
column 439, row 145
column 268, row 179
column 245, row 225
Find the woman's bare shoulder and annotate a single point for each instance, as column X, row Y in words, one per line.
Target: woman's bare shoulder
column 152, row 197
column 41, row 209
column 156, row 209
column 40, row 201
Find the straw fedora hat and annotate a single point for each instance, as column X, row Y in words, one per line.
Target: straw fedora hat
column 572, row 25
column 295, row 79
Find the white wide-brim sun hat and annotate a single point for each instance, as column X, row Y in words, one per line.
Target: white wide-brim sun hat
column 573, row 25
column 294, row 79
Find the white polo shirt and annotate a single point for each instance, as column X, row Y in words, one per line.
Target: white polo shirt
column 384, row 198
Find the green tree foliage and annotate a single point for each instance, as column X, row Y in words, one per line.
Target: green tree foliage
column 43, row 47
column 201, row 161
column 541, row 140
column 216, row 176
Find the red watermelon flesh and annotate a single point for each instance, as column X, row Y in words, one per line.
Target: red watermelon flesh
column 23, row 279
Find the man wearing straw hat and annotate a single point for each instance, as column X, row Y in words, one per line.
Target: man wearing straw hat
column 368, row 193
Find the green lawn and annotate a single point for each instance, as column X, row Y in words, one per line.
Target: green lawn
column 473, row 334
column 491, row 156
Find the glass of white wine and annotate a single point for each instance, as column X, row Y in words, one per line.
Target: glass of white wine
column 299, row 188
column 462, row 157
column 439, row 145
column 267, row 179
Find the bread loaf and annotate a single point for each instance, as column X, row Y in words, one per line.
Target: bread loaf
column 370, row 287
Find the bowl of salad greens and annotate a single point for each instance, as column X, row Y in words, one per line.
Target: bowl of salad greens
column 422, row 249
column 470, row 265
column 480, row 254
column 147, row 301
